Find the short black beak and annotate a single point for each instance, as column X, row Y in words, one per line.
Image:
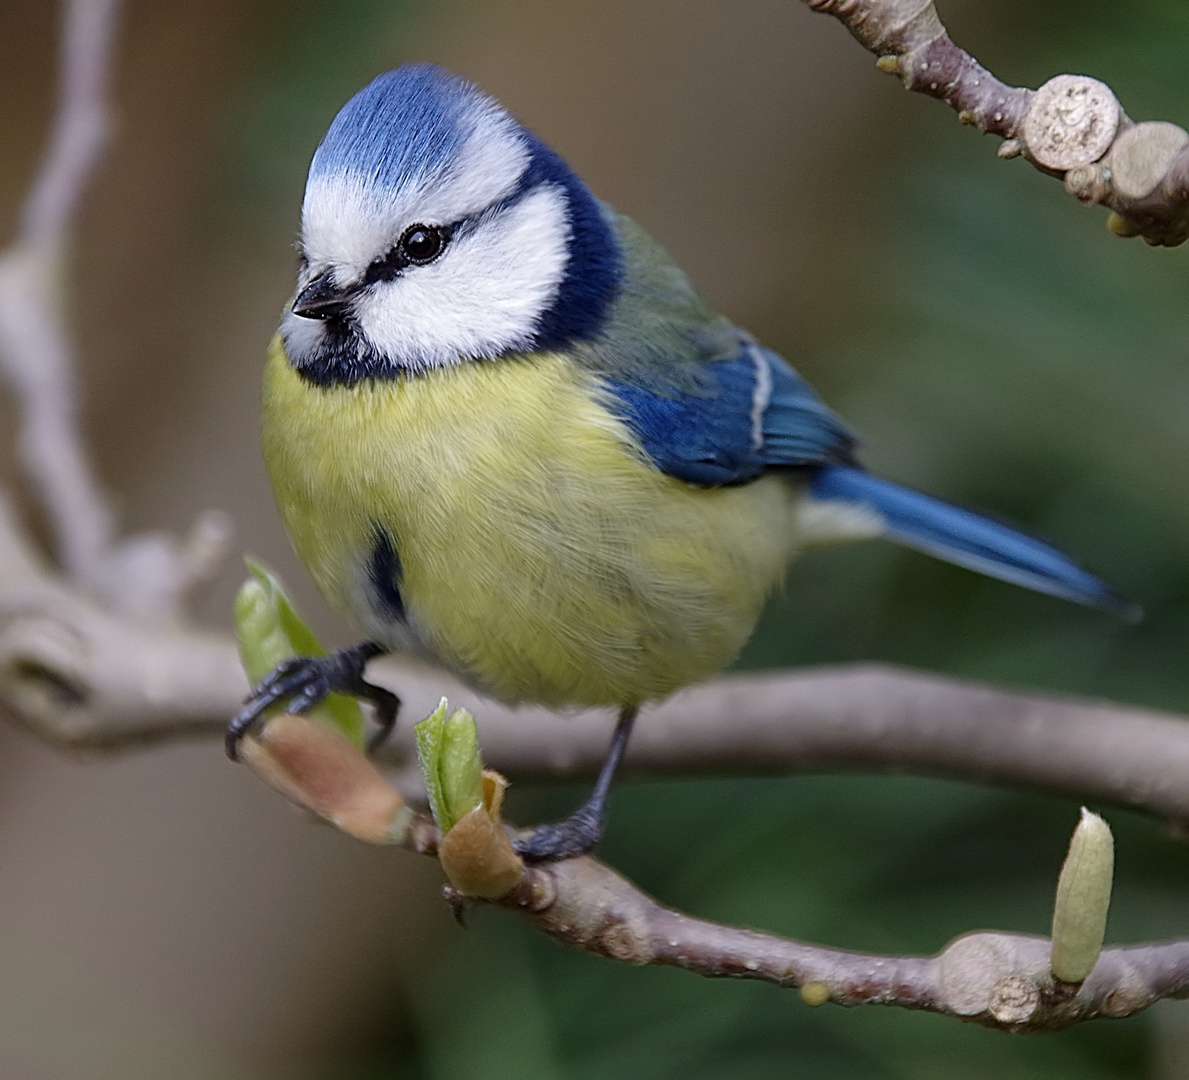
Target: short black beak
column 322, row 299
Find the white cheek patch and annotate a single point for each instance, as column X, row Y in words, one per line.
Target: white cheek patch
column 484, row 295
column 347, row 220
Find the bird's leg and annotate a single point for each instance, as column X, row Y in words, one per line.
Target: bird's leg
column 578, row 833
column 306, row 680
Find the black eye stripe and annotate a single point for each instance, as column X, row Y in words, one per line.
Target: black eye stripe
column 385, row 268
column 418, row 245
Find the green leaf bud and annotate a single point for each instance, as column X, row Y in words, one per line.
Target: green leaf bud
column 448, row 753
column 269, row 631
column 1083, row 899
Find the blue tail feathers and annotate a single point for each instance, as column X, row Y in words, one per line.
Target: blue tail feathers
column 969, row 539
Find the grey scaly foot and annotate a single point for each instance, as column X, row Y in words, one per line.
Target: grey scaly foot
column 578, row 834
column 305, row 680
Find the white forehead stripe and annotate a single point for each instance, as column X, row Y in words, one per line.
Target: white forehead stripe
column 349, row 220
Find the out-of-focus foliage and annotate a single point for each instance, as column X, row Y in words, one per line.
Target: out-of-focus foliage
column 1005, row 351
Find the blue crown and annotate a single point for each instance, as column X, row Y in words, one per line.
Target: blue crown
column 400, row 127
column 408, row 124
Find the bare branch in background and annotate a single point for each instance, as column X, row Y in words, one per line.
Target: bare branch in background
column 871, row 718
column 81, row 676
column 1000, row 980
column 145, row 577
column 1072, row 128
column 36, row 352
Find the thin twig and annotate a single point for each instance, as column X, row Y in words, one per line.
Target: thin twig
column 1000, row 980
column 82, row 121
column 36, row 352
column 865, row 717
column 1072, row 128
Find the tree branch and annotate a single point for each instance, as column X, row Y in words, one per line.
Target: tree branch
column 869, row 717
column 82, row 676
column 1000, row 980
column 147, row 576
column 36, row 353
column 1072, row 128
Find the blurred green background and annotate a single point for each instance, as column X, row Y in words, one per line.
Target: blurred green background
column 991, row 342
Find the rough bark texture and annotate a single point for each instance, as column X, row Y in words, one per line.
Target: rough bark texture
column 1072, row 127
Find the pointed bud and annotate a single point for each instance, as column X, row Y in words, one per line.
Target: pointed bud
column 477, row 855
column 448, row 753
column 475, row 850
column 320, row 769
column 1083, row 899
column 269, row 631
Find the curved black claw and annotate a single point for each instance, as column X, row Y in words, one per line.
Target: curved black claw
column 306, row 680
column 576, row 835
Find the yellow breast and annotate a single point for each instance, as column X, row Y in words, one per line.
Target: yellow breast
column 540, row 554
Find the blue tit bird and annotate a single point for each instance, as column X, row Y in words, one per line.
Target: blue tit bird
column 506, row 434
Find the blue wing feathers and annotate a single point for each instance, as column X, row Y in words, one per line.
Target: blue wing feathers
column 798, row 427
column 753, row 412
column 969, row 539
column 756, row 413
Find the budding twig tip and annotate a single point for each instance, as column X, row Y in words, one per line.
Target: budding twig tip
column 1083, row 900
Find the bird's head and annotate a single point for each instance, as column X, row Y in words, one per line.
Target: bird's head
column 437, row 230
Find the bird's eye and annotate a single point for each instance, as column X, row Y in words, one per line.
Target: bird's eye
column 422, row 243
column 418, row 245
